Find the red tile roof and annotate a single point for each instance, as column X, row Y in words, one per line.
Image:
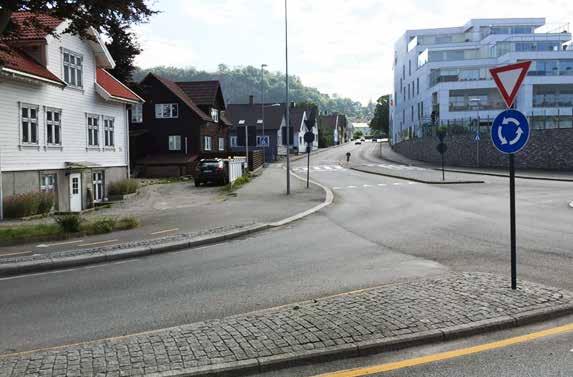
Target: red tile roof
column 114, row 87
column 201, row 92
column 17, row 60
column 26, row 30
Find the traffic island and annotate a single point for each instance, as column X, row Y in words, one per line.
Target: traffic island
column 345, row 325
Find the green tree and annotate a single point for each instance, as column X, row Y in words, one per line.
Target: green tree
column 381, row 120
column 357, row 134
column 82, row 14
column 123, row 48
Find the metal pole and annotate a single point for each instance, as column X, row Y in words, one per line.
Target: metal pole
column 263, row 110
column 1, row 191
column 308, row 167
column 443, row 173
column 478, row 141
column 287, row 103
column 512, row 222
column 247, row 146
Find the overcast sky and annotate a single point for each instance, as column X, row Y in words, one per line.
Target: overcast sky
column 338, row 46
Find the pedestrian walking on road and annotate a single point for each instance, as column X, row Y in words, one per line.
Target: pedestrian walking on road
column 348, row 156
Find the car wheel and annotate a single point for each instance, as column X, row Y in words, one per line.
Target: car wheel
column 197, row 183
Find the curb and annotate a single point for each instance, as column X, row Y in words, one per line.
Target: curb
column 21, row 268
column 369, row 347
column 416, row 179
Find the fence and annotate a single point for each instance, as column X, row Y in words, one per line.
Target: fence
column 236, row 168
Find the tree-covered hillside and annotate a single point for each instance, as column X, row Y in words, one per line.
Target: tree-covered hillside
column 239, row 83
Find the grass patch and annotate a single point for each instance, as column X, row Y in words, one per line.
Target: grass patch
column 66, row 226
column 239, row 182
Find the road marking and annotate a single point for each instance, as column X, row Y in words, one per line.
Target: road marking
column 336, row 188
column 59, row 244
column 412, row 183
column 98, row 243
column 20, row 253
column 396, row 183
column 366, row 185
column 358, row 372
column 350, row 186
column 165, row 231
column 381, row 184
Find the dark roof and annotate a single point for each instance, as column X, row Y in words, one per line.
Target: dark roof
column 202, row 92
column 296, row 116
column 17, row 60
column 175, row 89
column 32, row 26
column 251, row 113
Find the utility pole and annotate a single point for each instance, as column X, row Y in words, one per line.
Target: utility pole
column 263, row 111
column 247, row 146
column 287, row 104
column 1, row 192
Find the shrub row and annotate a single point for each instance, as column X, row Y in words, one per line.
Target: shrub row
column 28, row 204
column 73, row 223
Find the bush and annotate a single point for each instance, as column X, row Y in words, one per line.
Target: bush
column 125, row 223
column 69, row 223
column 101, row 226
column 123, row 187
column 28, row 204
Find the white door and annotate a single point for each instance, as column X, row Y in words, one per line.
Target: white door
column 75, row 192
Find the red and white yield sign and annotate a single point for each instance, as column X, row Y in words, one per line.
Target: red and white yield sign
column 509, row 79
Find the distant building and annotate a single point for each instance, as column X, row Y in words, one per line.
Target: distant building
column 362, row 127
column 442, row 75
column 332, row 129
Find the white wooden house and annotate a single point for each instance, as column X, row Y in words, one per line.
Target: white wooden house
column 63, row 117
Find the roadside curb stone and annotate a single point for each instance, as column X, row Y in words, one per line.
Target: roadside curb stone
column 372, row 320
column 413, row 178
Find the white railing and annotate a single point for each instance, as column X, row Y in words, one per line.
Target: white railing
column 236, row 168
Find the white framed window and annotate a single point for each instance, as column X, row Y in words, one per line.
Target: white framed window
column 29, row 124
column 137, row 113
column 108, row 132
column 263, row 141
column 207, row 143
column 98, row 186
column 233, row 141
column 215, row 114
column 93, row 130
column 53, row 126
column 48, row 183
column 174, row 142
column 221, row 143
column 73, row 69
column 166, row 110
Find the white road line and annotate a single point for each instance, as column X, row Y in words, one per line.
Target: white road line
column 328, row 168
column 165, row 231
column 60, row 244
column 98, row 243
column 21, row 252
column 366, row 185
column 396, row 183
column 336, row 188
column 412, row 183
column 338, row 167
column 381, row 184
column 350, row 186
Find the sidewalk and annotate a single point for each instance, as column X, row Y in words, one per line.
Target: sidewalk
column 345, row 325
column 258, row 205
column 390, row 155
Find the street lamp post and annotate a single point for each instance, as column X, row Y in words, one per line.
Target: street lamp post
column 287, row 104
column 263, row 110
column 477, row 101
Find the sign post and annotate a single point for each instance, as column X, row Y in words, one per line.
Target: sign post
column 309, row 139
column 442, row 149
column 509, row 135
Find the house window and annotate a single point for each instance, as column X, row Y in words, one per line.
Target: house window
column 53, row 127
column 221, row 143
column 137, row 113
column 263, row 141
column 108, row 132
column 233, row 141
column 48, row 183
column 174, row 142
column 93, row 131
column 166, row 110
column 418, row 86
column 207, row 143
column 215, row 115
column 98, row 186
column 29, row 124
column 73, row 69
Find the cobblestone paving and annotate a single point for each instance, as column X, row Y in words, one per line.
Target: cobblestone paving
column 377, row 313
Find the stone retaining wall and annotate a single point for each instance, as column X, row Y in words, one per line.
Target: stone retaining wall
column 547, row 149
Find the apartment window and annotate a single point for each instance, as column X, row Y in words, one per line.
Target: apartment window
column 417, row 86
column 221, row 143
column 215, row 115
column 97, row 181
column 409, row 68
column 48, row 183
column 73, row 69
column 207, row 143
column 29, row 124
column 137, row 113
column 93, row 131
column 175, row 142
column 166, row 110
column 404, row 72
column 263, row 141
column 108, row 132
column 53, row 127
column 408, row 91
column 233, row 141
column 412, row 112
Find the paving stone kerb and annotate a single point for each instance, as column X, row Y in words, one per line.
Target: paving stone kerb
column 375, row 319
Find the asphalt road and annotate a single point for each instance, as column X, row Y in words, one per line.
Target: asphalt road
column 378, row 230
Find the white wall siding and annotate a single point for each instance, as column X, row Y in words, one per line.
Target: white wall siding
column 74, row 103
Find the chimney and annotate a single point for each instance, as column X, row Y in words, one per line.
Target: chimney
column 251, row 100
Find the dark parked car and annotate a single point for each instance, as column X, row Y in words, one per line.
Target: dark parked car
column 212, row 170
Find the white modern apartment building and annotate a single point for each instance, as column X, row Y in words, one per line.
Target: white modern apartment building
column 442, row 75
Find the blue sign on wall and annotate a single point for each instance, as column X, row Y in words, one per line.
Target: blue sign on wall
column 510, row 131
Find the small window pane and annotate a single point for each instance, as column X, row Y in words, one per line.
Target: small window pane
column 174, row 110
column 34, row 129
column 49, row 134
column 33, row 114
column 72, row 76
column 49, row 115
column 57, row 116
column 24, row 112
column 66, row 57
column 57, row 135
column 79, row 78
column 66, row 74
column 25, row 132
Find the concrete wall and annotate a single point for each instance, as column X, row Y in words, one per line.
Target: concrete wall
column 546, row 149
